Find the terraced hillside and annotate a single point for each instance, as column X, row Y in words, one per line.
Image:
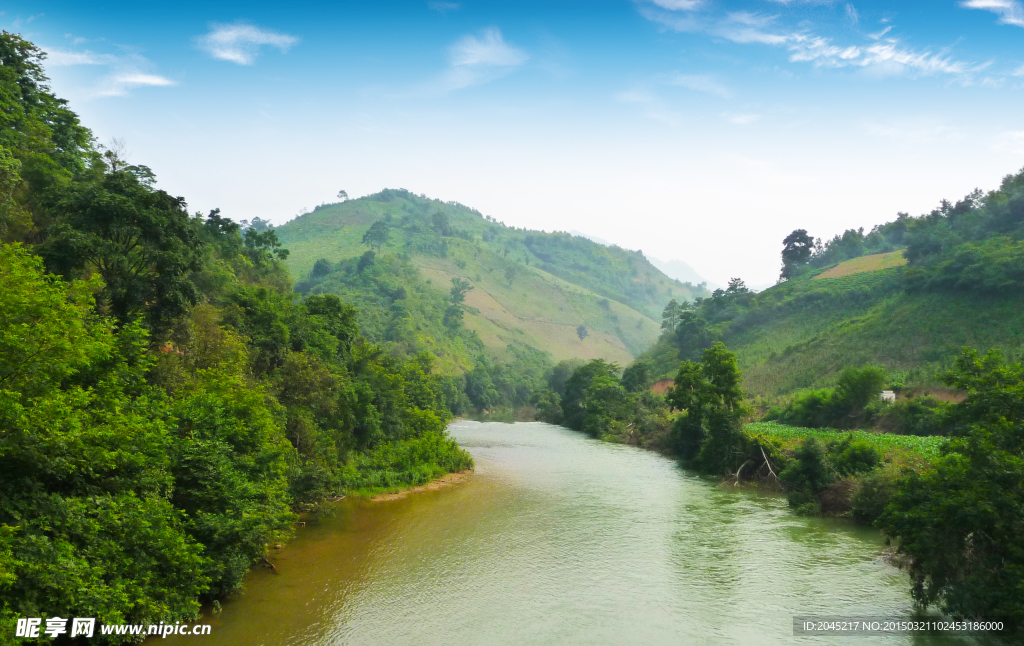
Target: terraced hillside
column 564, row 295
column 802, row 333
column 908, row 296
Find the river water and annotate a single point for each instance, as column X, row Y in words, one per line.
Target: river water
column 559, row 539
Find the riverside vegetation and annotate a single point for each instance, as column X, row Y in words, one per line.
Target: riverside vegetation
column 169, row 401
column 941, row 470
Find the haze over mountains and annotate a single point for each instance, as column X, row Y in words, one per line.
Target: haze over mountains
column 672, row 268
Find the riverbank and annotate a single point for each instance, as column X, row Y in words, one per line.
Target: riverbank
column 444, row 481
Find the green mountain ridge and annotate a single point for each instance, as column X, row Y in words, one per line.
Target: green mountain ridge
column 530, row 289
column 906, row 296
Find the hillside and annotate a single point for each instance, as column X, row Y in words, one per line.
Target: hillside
column 953, row 280
column 530, row 290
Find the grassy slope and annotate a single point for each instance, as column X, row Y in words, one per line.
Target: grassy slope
column 616, row 293
column 805, row 331
column 865, row 264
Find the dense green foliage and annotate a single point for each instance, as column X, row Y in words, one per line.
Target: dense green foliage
column 167, row 403
column 959, row 523
column 840, row 407
column 591, row 397
column 709, row 396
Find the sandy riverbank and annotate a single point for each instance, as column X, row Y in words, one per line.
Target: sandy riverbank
column 444, row 481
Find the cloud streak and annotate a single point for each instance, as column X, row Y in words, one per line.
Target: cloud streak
column 241, row 42
column 1010, row 12
column 700, row 83
column 479, row 59
column 881, row 56
column 127, row 71
column 443, row 7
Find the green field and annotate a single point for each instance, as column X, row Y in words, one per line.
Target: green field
column 901, row 448
column 865, row 264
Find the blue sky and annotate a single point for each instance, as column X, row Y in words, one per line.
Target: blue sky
column 696, row 130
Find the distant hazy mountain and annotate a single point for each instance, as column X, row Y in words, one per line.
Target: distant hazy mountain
column 672, row 268
column 681, row 271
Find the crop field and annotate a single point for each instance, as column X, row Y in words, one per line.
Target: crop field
column 865, row 264
column 894, row 447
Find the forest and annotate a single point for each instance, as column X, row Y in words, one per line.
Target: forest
column 168, row 403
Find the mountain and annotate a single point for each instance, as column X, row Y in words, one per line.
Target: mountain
column 906, row 296
column 676, row 269
column 681, row 271
column 562, row 295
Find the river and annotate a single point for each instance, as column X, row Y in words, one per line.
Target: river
column 559, row 539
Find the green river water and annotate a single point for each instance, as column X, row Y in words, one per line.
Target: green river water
column 559, row 539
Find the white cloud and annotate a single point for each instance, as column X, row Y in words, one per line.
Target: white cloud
column 701, row 83
column 240, row 42
column 443, row 7
column 884, row 57
column 925, row 130
column 480, row 59
column 1010, row 142
column 851, row 13
column 127, row 71
column 1018, row 72
column 741, row 119
column 651, row 106
column 120, row 84
column 61, row 58
column 744, row 27
column 1010, row 12
column 491, row 49
column 678, row 5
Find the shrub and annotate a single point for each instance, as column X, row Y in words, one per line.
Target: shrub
column 919, row 416
column 807, row 475
column 851, row 457
column 873, row 493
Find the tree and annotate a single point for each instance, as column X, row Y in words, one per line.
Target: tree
column 459, row 290
column 637, row 377
column 959, row 524
column 691, row 335
column 573, row 400
column 737, row 286
column 140, row 240
column 262, row 247
column 796, row 252
column 453, row 315
column 581, row 331
column 342, row 195
column 377, row 236
column 670, row 315
column 710, row 397
column 441, row 223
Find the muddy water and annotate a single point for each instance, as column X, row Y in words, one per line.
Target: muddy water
column 557, row 539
